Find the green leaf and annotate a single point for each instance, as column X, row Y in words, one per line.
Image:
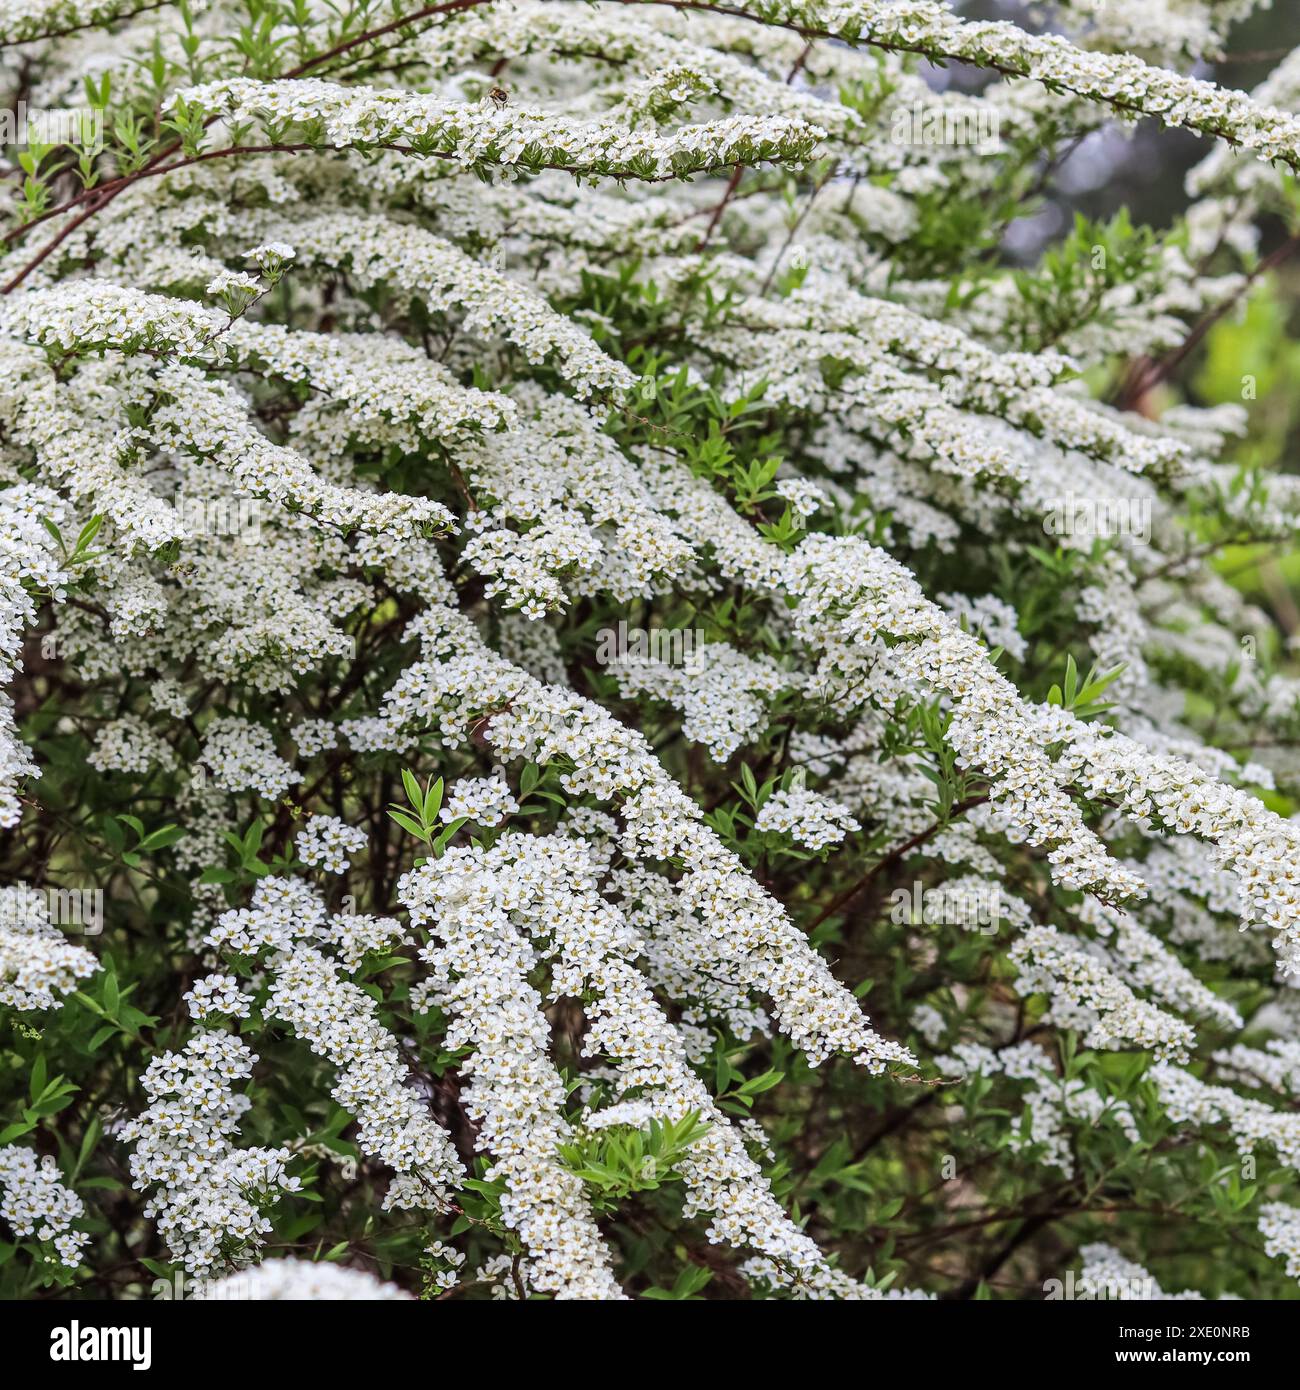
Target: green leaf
column 432, row 801
column 409, row 823
column 89, row 1142
column 37, row 1082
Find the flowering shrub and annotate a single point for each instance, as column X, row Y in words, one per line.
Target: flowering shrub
column 602, row 700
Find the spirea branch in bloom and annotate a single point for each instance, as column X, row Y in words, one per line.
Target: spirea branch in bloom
column 601, row 698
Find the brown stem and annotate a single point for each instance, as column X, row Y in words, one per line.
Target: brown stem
column 732, row 184
column 1145, row 375
column 906, row 848
column 88, row 24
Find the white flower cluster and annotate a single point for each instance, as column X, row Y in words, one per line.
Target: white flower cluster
column 1144, row 961
column 476, row 136
column 1085, row 994
column 1189, row 1101
column 26, row 564
column 79, row 441
column 1258, row 845
column 520, row 31
column 355, row 935
column 1276, row 1065
column 377, row 251
column 486, row 800
column 325, row 842
column 803, row 495
column 851, row 595
column 468, row 282
column 301, row 1281
column 1120, row 80
column 1107, row 1274
column 234, row 288
column 208, row 1194
column 16, row 763
column 38, row 963
column 34, row 1201
column 338, row 1021
column 1051, row 1101
column 480, row 964
column 437, row 1253
column 87, row 314
column 988, row 617
column 494, row 914
column 208, row 420
column 722, row 693
column 827, row 319
column 807, row 817
column 578, row 517
column 130, row 745
column 750, row 937
column 242, row 757
column 379, row 391
column 217, row 996
column 314, row 736
column 1279, row 1224
column 24, row 20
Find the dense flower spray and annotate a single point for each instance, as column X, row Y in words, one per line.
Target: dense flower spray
column 600, row 699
